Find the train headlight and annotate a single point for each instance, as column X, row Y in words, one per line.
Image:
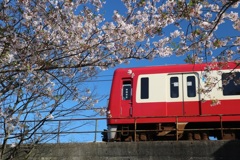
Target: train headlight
column 109, row 114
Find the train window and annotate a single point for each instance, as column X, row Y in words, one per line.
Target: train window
column 126, row 90
column 231, row 83
column 144, row 88
column 191, row 86
column 174, row 87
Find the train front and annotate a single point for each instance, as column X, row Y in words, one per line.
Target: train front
column 119, row 106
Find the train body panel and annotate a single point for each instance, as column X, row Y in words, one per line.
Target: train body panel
column 170, row 94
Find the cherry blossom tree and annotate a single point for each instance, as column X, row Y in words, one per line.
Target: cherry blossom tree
column 48, row 48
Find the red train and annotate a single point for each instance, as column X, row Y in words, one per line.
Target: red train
column 165, row 103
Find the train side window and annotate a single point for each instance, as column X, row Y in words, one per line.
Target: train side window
column 174, row 87
column 144, row 88
column 126, row 90
column 191, row 86
column 231, row 83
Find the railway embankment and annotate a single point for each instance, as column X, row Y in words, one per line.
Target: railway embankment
column 181, row 150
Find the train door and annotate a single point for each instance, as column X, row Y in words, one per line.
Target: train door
column 191, row 97
column 183, row 98
column 126, row 104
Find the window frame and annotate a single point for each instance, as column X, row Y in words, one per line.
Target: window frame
column 192, row 87
column 232, row 89
column 144, row 83
column 174, row 90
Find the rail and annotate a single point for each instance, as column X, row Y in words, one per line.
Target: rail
column 92, row 128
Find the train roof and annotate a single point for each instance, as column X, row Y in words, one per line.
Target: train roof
column 178, row 68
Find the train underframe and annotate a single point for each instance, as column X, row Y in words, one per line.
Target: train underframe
column 172, row 131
